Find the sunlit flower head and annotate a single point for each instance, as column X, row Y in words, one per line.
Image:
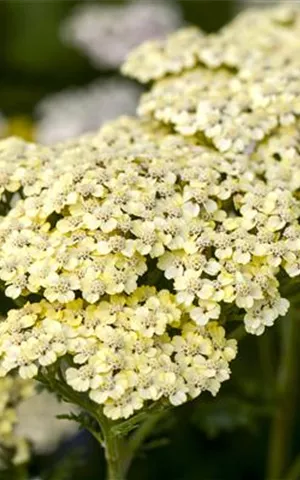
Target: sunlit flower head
column 139, row 248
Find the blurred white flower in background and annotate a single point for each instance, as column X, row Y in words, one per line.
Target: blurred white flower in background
column 38, row 422
column 72, row 112
column 106, row 33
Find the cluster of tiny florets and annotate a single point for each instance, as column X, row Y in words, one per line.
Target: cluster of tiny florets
column 252, row 38
column 13, row 390
column 124, row 351
column 136, row 243
column 22, row 168
column 132, row 200
column 235, row 87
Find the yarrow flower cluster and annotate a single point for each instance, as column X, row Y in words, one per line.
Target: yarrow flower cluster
column 233, row 92
column 138, row 245
column 93, row 233
column 13, row 391
column 122, row 351
column 134, row 199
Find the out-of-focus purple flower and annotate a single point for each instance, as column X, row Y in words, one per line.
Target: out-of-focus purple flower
column 106, row 33
column 75, row 111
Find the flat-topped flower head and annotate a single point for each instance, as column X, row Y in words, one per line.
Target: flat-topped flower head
column 252, row 36
column 135, row 202
column 138, row 247
column 234, row 92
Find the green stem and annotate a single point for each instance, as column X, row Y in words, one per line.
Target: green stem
column 238, row 333
column 114, row 452
column 119, row 449
column 139, row 436
column 282, row 425
column 265, row 351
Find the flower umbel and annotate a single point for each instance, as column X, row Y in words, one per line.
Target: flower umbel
column 123, row 358
column 131, row 244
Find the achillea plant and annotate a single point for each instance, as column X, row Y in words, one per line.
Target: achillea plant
column 133, row 253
